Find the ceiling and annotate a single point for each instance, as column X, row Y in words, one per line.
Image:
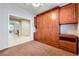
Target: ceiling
column 37, row 10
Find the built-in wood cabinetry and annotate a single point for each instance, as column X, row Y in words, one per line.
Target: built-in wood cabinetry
column 47, row 28
column 68, row 14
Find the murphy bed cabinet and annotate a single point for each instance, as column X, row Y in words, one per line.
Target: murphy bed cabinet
column 47, row 27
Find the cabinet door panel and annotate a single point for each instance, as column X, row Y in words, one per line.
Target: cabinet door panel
column 68, row 14
column 48, row 27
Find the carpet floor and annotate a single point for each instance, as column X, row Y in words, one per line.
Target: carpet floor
column 34, row 48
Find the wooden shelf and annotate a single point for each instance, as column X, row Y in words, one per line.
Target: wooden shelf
column 68, row 37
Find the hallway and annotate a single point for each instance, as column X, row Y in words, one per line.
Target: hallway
column 34, row 48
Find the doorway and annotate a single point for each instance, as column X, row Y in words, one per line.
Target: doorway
column 19, row 30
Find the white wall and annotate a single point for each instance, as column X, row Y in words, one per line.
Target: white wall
column 5, row 11
column 69, row 29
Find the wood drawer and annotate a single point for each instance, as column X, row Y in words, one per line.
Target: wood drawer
column 69, row 46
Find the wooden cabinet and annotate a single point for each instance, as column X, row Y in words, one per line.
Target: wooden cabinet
column 69, row 42
column 68, row 14
column 47, row 27
column 69, row 46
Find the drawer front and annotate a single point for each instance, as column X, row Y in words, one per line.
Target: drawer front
column 69, row 46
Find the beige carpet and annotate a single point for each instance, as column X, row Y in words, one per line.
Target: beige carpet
column 34, row 48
